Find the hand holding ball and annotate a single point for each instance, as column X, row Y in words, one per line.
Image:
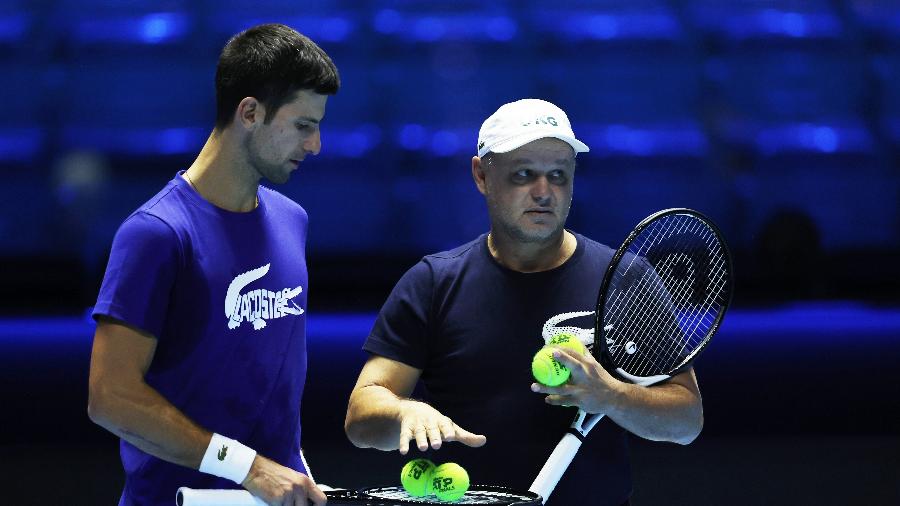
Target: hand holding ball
column 546, row 369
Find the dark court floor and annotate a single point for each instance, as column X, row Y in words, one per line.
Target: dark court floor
column 713, row 471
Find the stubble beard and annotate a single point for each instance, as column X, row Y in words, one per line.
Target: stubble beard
column 520, row 234
column 263, row 168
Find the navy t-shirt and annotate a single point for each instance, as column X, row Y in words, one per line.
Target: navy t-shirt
column 472, row 327
column 225, row 295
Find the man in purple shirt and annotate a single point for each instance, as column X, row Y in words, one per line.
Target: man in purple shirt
column 199, row 356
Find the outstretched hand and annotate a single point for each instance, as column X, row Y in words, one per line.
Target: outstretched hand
column 427, row 426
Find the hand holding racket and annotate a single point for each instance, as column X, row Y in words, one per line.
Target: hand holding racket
column 661, row 300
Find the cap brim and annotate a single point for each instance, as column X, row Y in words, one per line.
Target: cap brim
column 517, row 142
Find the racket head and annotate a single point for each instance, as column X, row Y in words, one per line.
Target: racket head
column 477, row 494
column 663, row 296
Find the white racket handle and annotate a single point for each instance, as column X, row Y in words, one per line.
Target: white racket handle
column 555, row 466
column 212, row 497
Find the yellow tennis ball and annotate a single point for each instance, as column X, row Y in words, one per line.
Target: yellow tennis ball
column 568, row 341
column 547, row 370
column 450, row 481
column 416, row 477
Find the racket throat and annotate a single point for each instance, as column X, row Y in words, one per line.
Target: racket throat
column 642, row 380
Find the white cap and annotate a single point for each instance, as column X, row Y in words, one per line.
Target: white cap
column 518, row 123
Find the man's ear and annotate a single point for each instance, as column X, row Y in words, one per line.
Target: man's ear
column 478, row 174
column 250, row 112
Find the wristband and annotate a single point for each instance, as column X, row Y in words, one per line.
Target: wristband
column 227, row 458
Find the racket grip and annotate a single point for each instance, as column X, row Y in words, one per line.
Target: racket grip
column 213, row 497
column 555, row 466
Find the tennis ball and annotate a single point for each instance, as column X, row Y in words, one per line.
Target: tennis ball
column 547, row 370
column 450, row 481
column 416, row 477
column 568, row 341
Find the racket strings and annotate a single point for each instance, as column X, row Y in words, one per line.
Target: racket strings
column 657, row 318
column 668, row 354
column 666, row 332
column 496, row 497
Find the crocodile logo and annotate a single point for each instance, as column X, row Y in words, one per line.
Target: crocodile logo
column 258, row 306
column 222, row 453
column 586, row 336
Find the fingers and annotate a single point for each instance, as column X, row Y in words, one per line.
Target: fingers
column 406, row 432
column 469, row 439
column 315, row 494
column 569, row 358
column 429, row 428
column 298, row 498
column 421, row 434
column 561, row 400
column 281, row 486
column 544, row 389
column 448, row 429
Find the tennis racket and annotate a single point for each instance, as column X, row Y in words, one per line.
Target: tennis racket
column 385, row 496
column 661, row 300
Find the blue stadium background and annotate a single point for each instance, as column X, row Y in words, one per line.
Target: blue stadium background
column 779, row 119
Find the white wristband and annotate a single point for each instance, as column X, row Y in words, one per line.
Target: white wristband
column 227, row 458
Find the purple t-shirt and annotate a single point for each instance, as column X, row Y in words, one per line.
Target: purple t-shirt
column 472, row 326
column 225, row 295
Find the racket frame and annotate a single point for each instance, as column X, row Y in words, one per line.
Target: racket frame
column 373, row 496
column 600, row 350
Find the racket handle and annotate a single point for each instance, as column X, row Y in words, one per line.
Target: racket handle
column 555, row 466
column 213, row 497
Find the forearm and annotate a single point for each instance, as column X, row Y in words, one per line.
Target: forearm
column 147, row 420
column 667, row 412
column 373, row 418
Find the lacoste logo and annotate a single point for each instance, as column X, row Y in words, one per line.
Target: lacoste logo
column 480, row 144
column 222, row 453
column 258, row 305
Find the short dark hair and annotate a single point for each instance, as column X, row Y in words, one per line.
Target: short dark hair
column 270, row 62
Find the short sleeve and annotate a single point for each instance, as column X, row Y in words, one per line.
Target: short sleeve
column 140, row 274
column 401, row 330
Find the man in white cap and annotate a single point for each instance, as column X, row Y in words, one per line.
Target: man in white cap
column 467, row 322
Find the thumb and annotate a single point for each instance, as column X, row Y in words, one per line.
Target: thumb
column 469, row 439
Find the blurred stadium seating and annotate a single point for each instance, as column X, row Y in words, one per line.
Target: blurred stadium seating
column 745, row 109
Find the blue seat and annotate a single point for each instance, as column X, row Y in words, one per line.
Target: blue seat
column 852, row 199
column 616, row 101
column 351, row 208
column 24, row 217
column 329, row 23
column 353, row 126
column 136, row 111
column 880, row 21
column 773, row 102
column 765, row 22
column 442, row 208
column 612, row 196
column 605, row 21
column 24, row 127
column 886, row 69
column 446, row 96
column 17, row 23
column 131, row 28
column 425, row 22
